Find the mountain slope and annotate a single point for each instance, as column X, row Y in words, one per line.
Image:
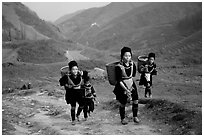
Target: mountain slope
column 142, row 24
column 95, row 18
column 20, row 23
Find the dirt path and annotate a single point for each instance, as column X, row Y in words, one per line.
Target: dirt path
column 101, row 122
column 75, row 55
column 51, row 115
column 43, row 111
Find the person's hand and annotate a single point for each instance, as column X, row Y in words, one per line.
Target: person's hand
column 129, row 97
column 146, row 69
column 68, row 86
column 81, row 72
column 128, row 93
column 96, row 102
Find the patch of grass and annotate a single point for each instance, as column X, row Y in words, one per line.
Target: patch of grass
column 190, row 23
column 25, row 92
column 7, row 127
column 7, row 30
column 181, row 120
column 40, row 52
column 17, row 75
column 55, row 93
column 7, row 91
column 54, row 111
column 111, row 105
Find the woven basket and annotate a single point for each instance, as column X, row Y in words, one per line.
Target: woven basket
column 64, row 70
column 141, row 61
column 111, row 72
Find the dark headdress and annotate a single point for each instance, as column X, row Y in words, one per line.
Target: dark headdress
column 123, row 50
column 151, row 55
column 72, row 64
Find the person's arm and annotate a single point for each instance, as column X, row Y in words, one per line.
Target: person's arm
column 94, row 94
column 63, row 80
column 154, row 71
column 155, row 66
column 123, row 86
column 143, row 68
column 93, row 91
column 84, row 74
column 134, row 70
column 118, row 73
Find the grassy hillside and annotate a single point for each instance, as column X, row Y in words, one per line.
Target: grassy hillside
column 34, row 20
column 79, row 24
column 42, row 51
column 127, row 28
column 7, row 28
column 190, row 24
column 25, row 24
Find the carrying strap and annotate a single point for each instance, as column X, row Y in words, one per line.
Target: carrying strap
column 71, row 83
column 124, row 74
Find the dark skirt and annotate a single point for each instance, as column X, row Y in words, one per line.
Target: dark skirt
column 89, row 103
column 121, row 97
column 74, row 96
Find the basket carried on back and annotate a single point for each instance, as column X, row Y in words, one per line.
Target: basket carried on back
column 64, row 70
column 142, row 60
column 111, row 72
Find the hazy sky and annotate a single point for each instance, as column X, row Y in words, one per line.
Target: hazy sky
column 51, row 11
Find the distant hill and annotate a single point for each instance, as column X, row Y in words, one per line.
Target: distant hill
column 94, row 18
column 138, row 25
column 151, row 24
column 20, row 23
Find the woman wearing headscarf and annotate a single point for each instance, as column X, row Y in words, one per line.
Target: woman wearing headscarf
column 74, row 93
column 125, row 88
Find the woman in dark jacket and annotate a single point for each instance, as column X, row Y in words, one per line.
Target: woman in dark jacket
column 74, row 93
column 125, row 89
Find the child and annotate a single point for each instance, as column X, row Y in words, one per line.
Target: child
column 125, row 88
column 74, row 93
column 90, row 95
column 148, row 70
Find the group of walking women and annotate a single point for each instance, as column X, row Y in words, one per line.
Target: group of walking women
column 125, row 88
